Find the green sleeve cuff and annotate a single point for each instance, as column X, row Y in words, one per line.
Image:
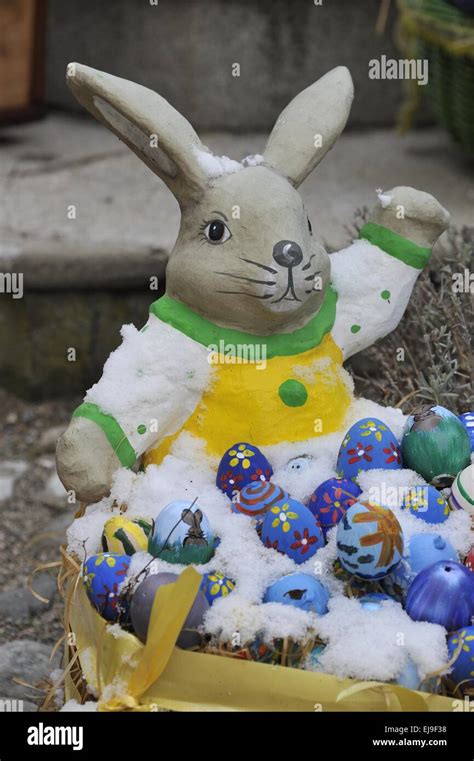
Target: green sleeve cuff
column 396, row 245
column 113, row 431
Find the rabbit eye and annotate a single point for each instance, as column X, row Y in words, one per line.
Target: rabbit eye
column 309, row 227
column 216, row 231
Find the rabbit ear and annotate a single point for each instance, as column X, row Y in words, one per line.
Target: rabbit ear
column 187, row 516
column 162, row 138
column 310, row 125
column 198, row 517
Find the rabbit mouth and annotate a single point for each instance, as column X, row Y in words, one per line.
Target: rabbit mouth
column 289, row 293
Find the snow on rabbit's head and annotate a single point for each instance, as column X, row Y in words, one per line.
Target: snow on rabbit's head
column 246, row 256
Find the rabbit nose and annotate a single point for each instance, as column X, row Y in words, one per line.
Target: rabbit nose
column 287, row 253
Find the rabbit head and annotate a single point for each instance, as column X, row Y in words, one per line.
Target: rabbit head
column 246, row 255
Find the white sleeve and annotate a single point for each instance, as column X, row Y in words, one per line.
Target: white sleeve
column 373, row 288
column 150, row 386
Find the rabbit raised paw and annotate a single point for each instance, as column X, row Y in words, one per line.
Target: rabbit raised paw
column 249, row 340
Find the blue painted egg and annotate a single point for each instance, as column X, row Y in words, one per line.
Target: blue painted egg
column 467, row 419
column 182, row 534
column 369, row 541
column 373, row 601
column 331, row 499
column 462, row 642
column 435, row 444
column 299, row 464
column 368, row 444
column 242, row 464
column 215, row 585
column 314, row 658
column 426, row 549
column 103, row 575
column 427, row 503
column 256, row 498
column 291, row 529
column 397, row 582
column 443, row 594
column 409, row 676
column 301, row 590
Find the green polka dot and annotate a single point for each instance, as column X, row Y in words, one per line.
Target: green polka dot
column 385, row 295
column 293, row 393
column 141, row 428
column 355, row 328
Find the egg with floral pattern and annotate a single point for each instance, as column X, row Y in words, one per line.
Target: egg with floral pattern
column 292, row 529
column 331, row 500
column 126, row 535
column 215, row 585
column 427, row 503
column 300, row 590
column 435, row 444
column 256, row 498
column 467, row 419
column 442, row 593
column 369, row 541
column 242, row 464
column 368, row 444
column 462, row 643
column 103, row 576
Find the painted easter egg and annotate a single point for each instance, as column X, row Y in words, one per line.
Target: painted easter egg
column 215, row 585
column 373, row 601
column 242, row 464
column 467, row 419
column 126, row 535
column 265, row 652
column 435, row 444
column 103, row 576
column 426, row 549
column 368, row 444
column 443, row 594
column 255, row 499
column 301, row 590
column 369, row 541
column 462, row 643
column 142, row 603
column 331, row 499
column 469, row 560
column 291, row 529
column 299, row 464
column 462, row 491
column 427, row 503
column 313, row 661
column 409, row 676
column 182, row 534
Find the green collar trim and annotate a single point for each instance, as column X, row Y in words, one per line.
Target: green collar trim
column 208, row 334
column 113, row 431
column 396, row 245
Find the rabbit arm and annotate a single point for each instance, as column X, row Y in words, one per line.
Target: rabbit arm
column 150, row 386
column 374, row 277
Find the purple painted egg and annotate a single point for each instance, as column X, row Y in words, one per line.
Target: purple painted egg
column 442, row 594
column 331, row 500
column 256, row 498
column 368, row 444
column 292, row 529
column 242, row 464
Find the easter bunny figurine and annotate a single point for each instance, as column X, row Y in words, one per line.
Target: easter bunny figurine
column 248, row 342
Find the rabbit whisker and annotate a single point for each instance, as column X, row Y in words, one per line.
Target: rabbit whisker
column 244, row 293
column 307, row 265
column 257, row 264
column 248, row 279
column 310, row 277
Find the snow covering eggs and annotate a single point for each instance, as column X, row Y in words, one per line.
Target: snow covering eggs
column 409, row 676
column 462, row 490
column 126, row 535
column 368, row 444
column 215, row 585
column 435, row 444
column 256, row 498
column 182, row 534
column 467, row 419
column 369, row 541
column 373, row 600
column 301, row 590
column 142, row 603
column 299, row 464
column 331, row 499
column 443, row 594
column 291, row 529
column 462, row 643
column 103, row 576
column 427, row 503
column 240, row 465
